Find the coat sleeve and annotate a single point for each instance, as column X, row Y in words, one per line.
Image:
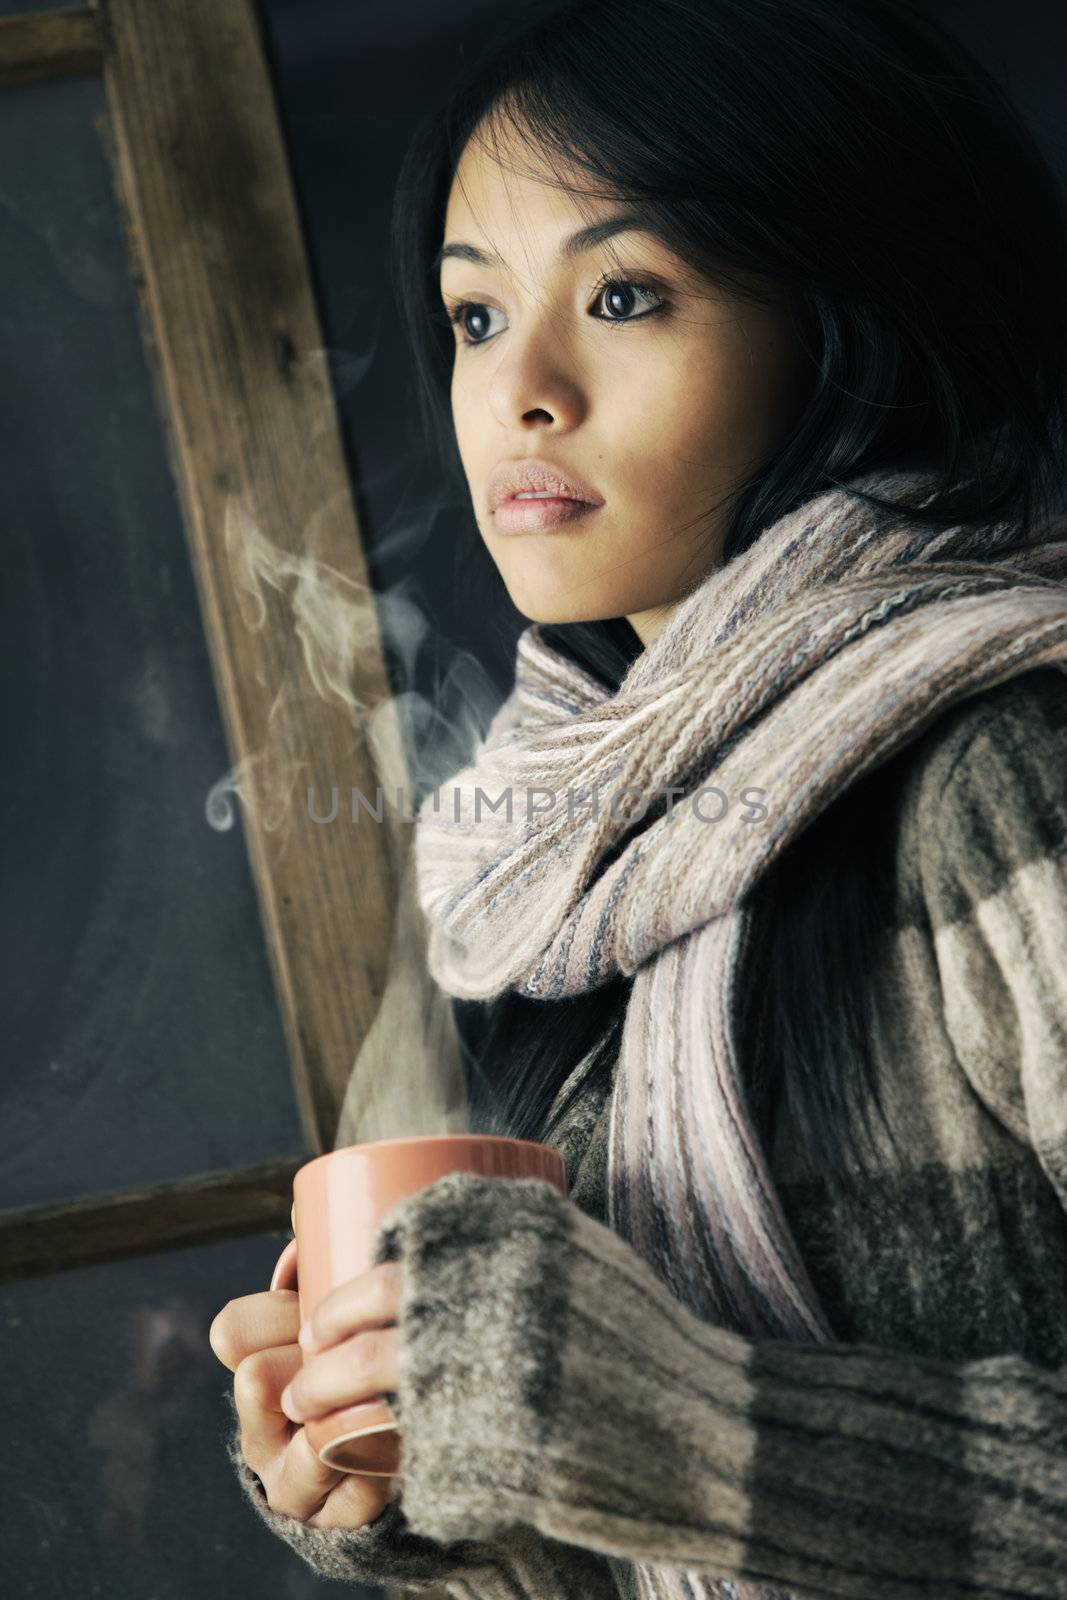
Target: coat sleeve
column 992, row 841
column 549, row 1379
column 521, row 1562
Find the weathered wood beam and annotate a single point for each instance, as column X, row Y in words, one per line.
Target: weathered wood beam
column 53, row 44
column 224, row 283
column 37, row 1240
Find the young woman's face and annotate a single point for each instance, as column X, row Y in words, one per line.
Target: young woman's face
column 614, row 362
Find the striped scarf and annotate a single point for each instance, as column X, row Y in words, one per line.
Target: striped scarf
column 838, row 636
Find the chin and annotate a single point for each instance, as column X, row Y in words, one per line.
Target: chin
column 546, row 610
column 544, row 602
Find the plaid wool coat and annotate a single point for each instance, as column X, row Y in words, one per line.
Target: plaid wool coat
column 589, row 1420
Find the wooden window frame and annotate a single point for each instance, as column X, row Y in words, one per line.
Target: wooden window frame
column 235, row 348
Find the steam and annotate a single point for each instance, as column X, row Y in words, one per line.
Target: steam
column 323, row 627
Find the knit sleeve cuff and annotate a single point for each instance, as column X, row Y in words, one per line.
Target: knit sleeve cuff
column 548, row 1378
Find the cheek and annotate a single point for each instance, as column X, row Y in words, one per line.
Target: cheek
column 684, row 423
column 724, row 401
column 457, row 398
column 468, row 421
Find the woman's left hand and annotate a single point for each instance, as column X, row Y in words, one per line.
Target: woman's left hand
column 351, row 1344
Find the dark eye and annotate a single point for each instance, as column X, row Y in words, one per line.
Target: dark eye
column 472, row 320
column 621, row 295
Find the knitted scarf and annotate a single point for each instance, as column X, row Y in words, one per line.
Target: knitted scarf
column 784, row 676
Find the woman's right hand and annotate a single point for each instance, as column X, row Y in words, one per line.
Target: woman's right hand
column 255, row 1336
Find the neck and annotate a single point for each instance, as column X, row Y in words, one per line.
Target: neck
column 646, row 624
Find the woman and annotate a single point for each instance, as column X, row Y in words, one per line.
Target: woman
column 753, row 345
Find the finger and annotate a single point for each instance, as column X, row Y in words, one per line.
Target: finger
column 358, row 1369
column 297, row 1483
column 355, row 1502
column 257, row 1386
column 255, row 1322
column 370, row 1299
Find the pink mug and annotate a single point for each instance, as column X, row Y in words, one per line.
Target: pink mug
column 339, row 1201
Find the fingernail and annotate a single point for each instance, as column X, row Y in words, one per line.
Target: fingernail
column 292, row 1411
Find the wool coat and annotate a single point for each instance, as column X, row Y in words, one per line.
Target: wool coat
column 590, row 1421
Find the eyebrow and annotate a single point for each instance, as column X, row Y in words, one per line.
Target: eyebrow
column 575, row 244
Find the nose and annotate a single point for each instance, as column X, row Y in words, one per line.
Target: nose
column 536, row 383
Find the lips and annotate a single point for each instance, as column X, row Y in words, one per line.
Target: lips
column 537, row 515
column 512, row 478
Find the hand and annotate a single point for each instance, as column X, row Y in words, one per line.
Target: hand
column 353, row 1344
column 255, row 1336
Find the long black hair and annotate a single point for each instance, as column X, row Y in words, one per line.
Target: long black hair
column 861, row 157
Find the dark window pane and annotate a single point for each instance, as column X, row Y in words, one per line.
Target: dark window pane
column 141, row 1036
